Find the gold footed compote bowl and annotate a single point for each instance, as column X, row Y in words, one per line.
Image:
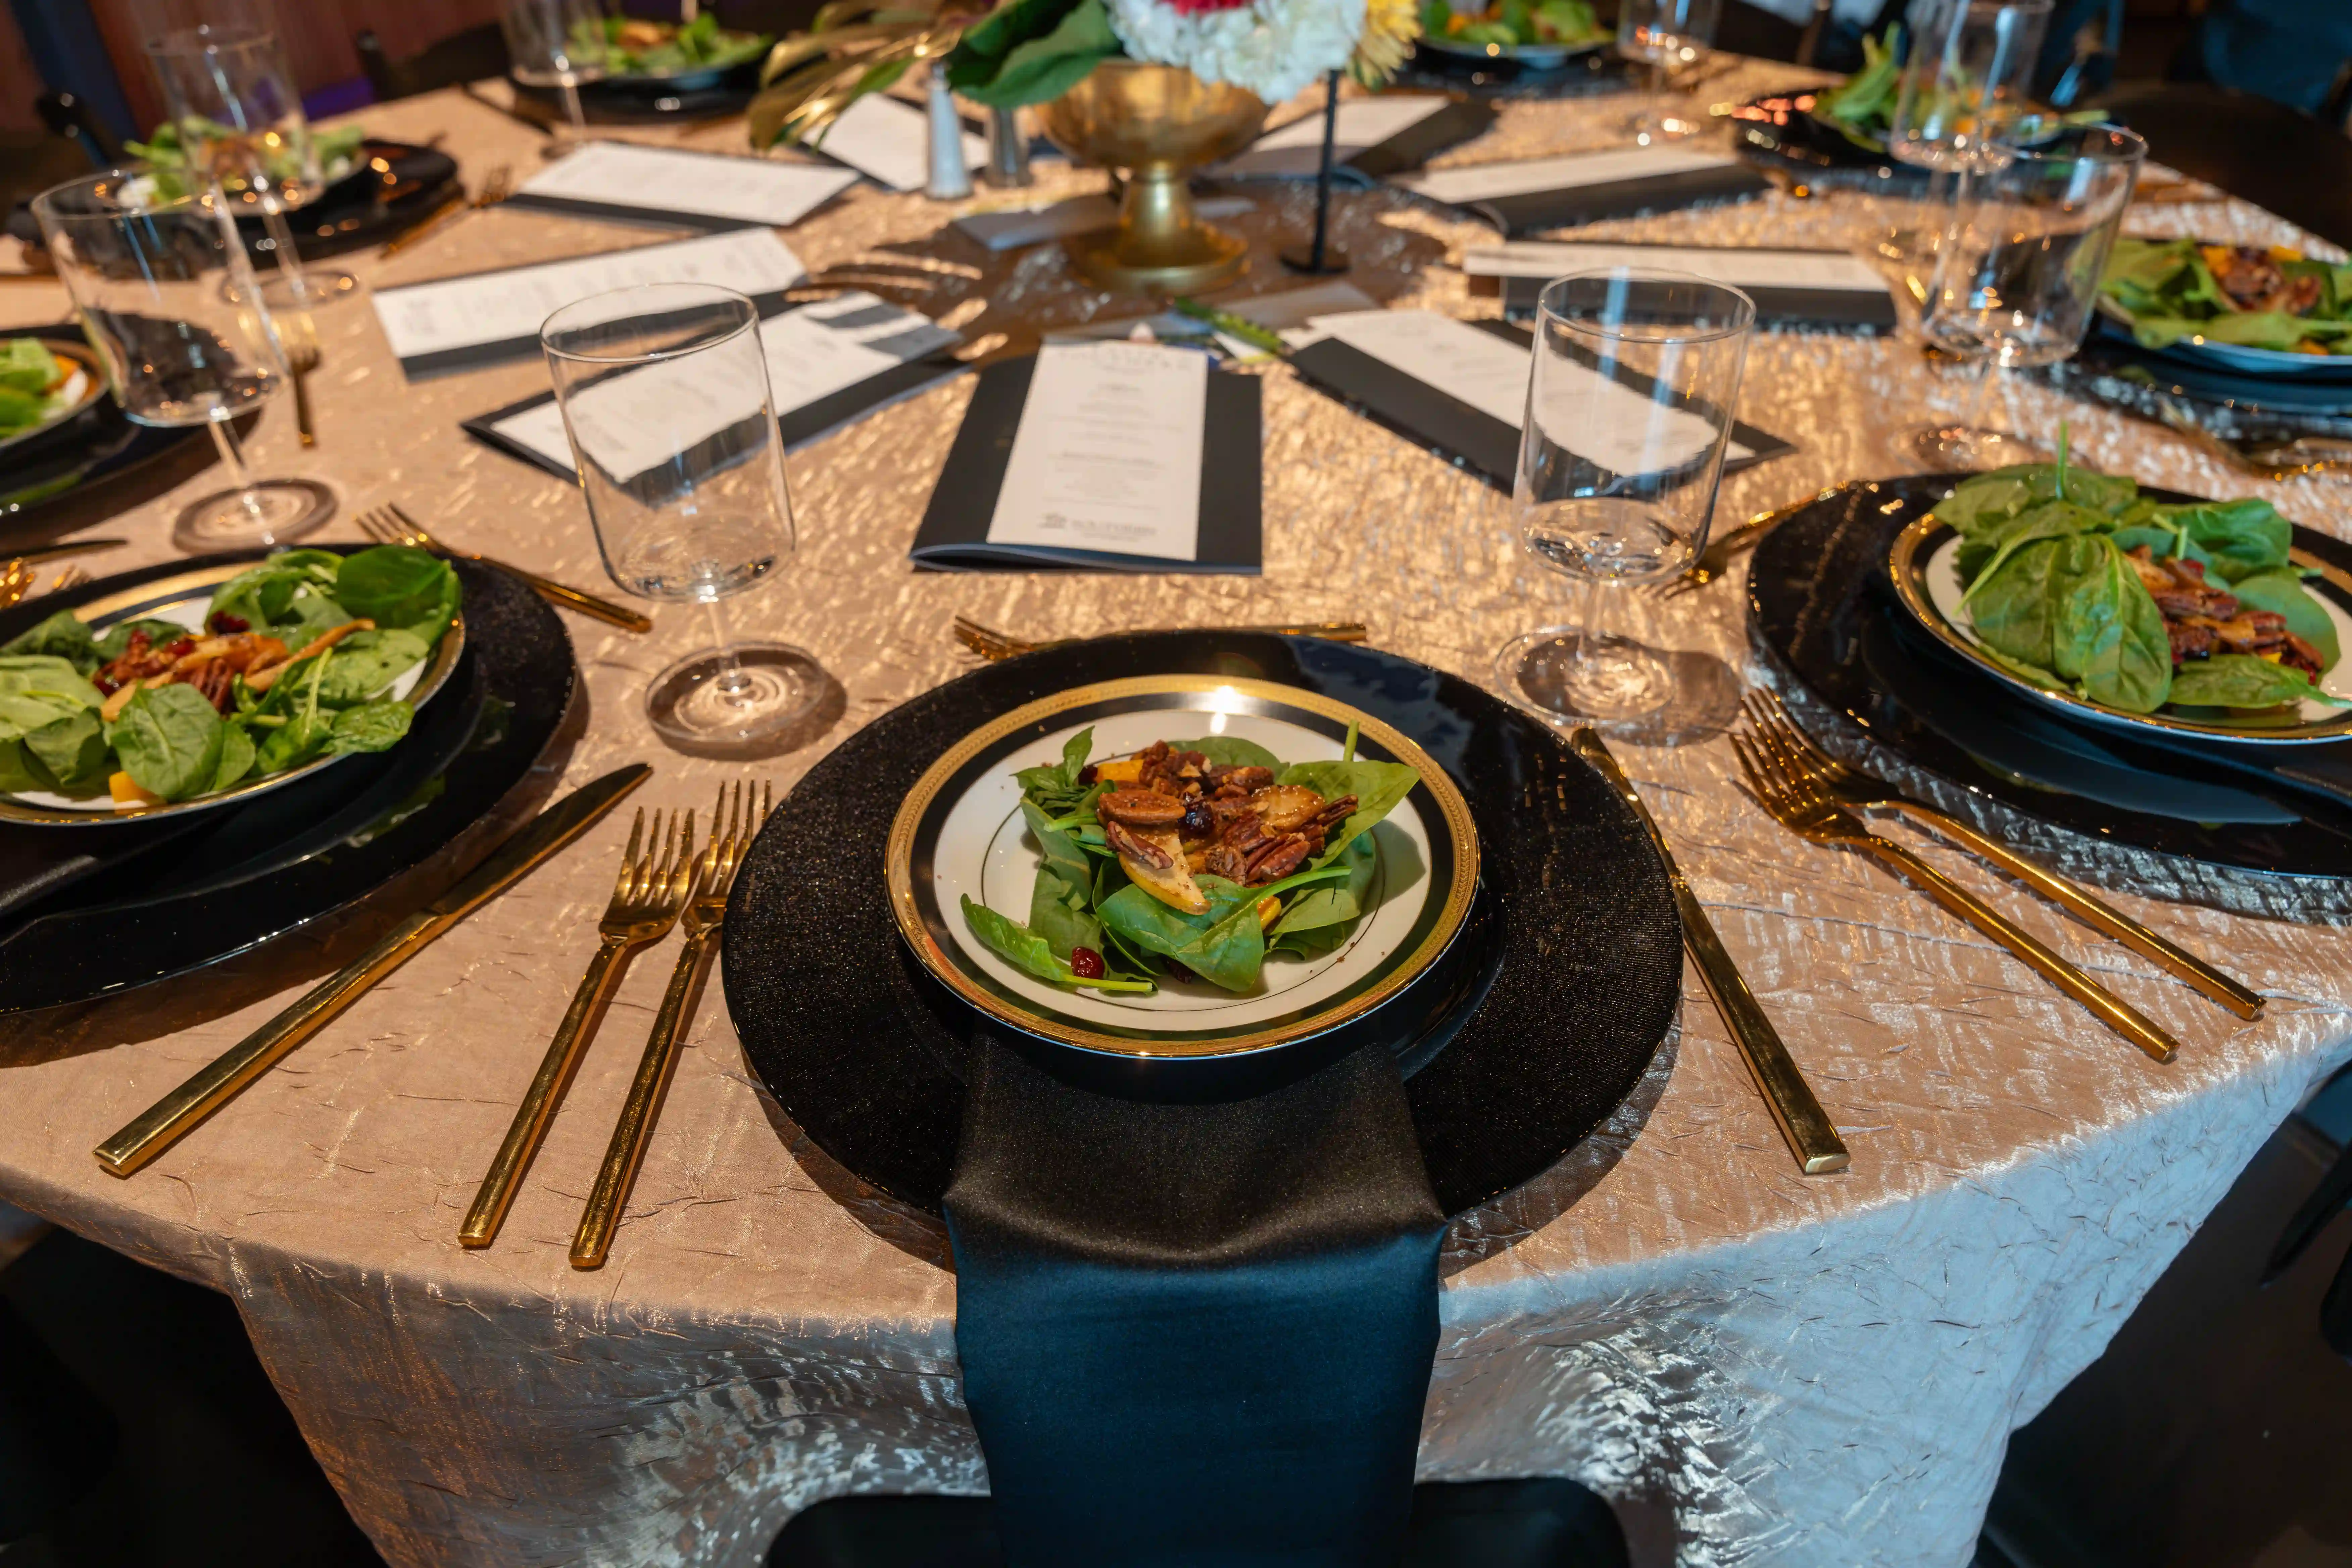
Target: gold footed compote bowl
column 1155, row 124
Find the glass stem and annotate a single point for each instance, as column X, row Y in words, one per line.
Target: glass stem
column 232, row 456
column 281, row 240
column 732, row 683
column 1980, row 393
column 1595, row 643
column 571, row 109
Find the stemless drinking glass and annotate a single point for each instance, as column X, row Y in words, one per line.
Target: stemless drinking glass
column 1631, row 400
column 166, row 298
column 1662, row 34
column 664, row 389
column 1964, row 77
column 558, row 44
column 2020, row 272
column 239, row 119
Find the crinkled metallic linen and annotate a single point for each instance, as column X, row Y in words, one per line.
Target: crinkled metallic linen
column 1760, row 1368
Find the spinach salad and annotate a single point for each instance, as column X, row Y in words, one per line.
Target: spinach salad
column 2077, row 583
column 295, row 662
column 2249, row 296
column 1197, row 858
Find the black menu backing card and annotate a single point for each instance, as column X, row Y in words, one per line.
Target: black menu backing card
column 1794, row 288
column 1523, row 196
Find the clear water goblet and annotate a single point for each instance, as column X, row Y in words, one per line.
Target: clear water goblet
column 165, row 295
column 1631, row 396
column 558, row 44
column 2019, row 275
column 1663, row 35
column 664, row 391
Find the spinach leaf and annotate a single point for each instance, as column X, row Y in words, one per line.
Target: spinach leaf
column 1026, row 951
column 2283, row 593
column 301, row 725
column 1055, row 785
column 294, row 588
column 1319, row 918
column 397, row 586
column 2108, row 637
column 1059, row 912
column 2234, row 539
column 2015, row 609
column 1063, row 856
column 62, row 635
column 169, row 740
column 1225, row 946
column 1982, row 553
column 72, row 751
column 365, row 663
column 2242, row 680
column 370, row 727
column 237, row 757
column 21, row 773
column 37, row 689
column 1230, row 752
column 1376, row 786
column 1989, row 500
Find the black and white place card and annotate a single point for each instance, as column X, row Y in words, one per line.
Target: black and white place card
column 828, row 364
column 1794, row 288
column 1461, row 387
column 889, row 143
column 1375, row 137
column 1106, row 457
column 1532, row 193
column 626, row 183
column 487, row 318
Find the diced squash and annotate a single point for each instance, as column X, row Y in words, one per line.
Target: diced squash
column 126, row 791
column 1125, row 771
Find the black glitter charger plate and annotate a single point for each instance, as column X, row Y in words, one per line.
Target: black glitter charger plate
column 1584, row 949
column 1822, row 611
column 247, row 873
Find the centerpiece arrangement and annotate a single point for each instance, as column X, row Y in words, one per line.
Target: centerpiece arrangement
column 1153, row 89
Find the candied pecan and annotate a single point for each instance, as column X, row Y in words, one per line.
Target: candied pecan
column 1280, row 859
column 1137, row 849
column 1139, row 808
column 1245, row 832
column 2189, row 640
column 1334, row 813
column 2300, row 655
column 1285, row 806
column 1243, row 777
column 214, row 681
column 1225, row 860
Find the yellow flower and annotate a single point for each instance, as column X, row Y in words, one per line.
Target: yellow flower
column 1390, row 28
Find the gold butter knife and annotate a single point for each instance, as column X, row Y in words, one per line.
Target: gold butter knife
column 172, row 1117
column 1803, row 1123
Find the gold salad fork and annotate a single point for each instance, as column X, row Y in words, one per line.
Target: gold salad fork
column 1795, row 750
column 16, row 582
column 644, row 904
column 1806, row 809
column 390, row 525
column 705, row 913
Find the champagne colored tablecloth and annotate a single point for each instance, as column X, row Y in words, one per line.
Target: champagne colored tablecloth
column 1760, row 1368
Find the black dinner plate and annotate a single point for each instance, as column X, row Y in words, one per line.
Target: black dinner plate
column 1577, row 983
column 97, row 448
column 244, row 875
column 1780, row 128
column 1593, row 73
column 396, row 185
column 1823, row 614
column 641, row 100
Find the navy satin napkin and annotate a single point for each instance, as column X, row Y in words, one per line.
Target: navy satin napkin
column 1195, row 1334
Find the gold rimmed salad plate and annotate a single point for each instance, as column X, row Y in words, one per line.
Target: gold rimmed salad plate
column 961, row 834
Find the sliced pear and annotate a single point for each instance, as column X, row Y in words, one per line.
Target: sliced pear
column 1170, row 883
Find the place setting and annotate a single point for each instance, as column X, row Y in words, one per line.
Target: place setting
column 1385, row 777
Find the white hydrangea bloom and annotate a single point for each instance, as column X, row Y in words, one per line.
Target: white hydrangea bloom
column 1271, row 47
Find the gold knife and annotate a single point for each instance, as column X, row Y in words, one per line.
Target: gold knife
column 172, row 1117
column 65, row 547
column 1803, row 1122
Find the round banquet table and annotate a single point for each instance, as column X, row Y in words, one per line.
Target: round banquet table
column 1758, row 1367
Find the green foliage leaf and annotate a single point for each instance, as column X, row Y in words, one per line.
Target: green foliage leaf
column 2242, row 680
column 169, row 740
column 1031, row 51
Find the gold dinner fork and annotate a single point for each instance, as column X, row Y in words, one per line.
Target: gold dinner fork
column 705, row 913
column 16, row 582
column 1796, row 751
column 72, row 576
column 644, row 904
column 992, row 644
column 1805, row 809
column 390, row 525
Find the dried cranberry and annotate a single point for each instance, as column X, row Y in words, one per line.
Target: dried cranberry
column 227, row 626
column 181, row 649
column 106, row 684
column 1086, row 964
column 1199, row 822
column 1086, row 776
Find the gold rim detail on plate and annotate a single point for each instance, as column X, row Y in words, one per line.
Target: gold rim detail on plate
column 1906, row 566
column 898, row 864
column 169, row 590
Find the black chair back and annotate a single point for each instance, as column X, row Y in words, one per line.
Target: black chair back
column 69, row 116
column 470, row 56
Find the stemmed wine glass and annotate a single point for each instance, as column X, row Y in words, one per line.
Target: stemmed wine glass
column 166, row 297
column 2020, row 274
column 240, row 123
column 1663, row 34
column 1631, row 400
column 664, row 391
column 558, row 44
